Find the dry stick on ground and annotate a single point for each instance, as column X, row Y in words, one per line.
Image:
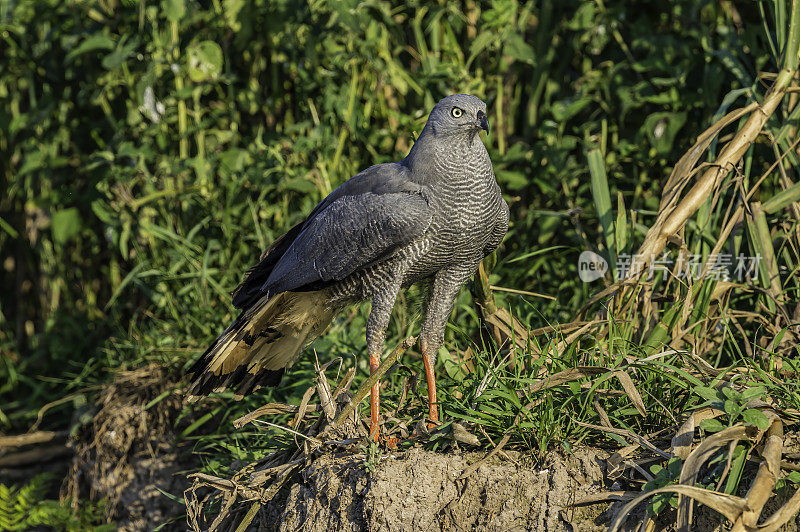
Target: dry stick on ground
column 42, row 436
column 326, row 398
column 363, row 390
column 696, row 459
column 743, row 512
column 673, row 218
column 269, row 409
column 34, row 456
column 765, row 480
column 231, row 490
column 301, row 411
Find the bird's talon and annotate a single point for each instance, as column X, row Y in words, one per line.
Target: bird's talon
column 374, row 434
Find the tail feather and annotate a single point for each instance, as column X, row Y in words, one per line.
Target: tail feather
column 261, row 343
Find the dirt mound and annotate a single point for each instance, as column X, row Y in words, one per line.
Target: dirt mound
column 419, row 490
column 127, row 454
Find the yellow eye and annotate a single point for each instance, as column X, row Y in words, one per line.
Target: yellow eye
column 456, row 112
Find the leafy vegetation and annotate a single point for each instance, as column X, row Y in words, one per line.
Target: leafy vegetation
column 26, row 507
column 138, row 190
column 149, row 152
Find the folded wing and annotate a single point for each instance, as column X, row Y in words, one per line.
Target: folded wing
column 352, row 233
column 362, row 222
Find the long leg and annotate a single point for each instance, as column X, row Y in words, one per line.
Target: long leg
column 382, row 304
column 430, row 379
column 446, row 285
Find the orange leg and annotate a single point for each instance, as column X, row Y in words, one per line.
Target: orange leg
column 430, row 376
column 374, row 401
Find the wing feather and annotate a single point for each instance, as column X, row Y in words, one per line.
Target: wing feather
column 364, row 220
column 352, row 233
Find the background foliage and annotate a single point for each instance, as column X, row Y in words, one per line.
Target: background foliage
column 149, row 151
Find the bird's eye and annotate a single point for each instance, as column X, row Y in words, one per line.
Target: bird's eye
column 456, row 112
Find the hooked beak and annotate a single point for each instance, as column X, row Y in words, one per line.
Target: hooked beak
column 483, row 121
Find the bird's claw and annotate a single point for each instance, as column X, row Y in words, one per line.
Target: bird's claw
column 390, row 442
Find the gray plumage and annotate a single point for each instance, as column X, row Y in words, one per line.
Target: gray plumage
column 434, row 215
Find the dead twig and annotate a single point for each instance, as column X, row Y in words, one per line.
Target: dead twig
column 34, row 456
column 269, row 409
column 20, row 440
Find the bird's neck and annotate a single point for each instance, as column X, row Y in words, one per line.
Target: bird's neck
column 431, row 150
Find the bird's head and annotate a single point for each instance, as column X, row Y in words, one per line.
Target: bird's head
column 459, row 114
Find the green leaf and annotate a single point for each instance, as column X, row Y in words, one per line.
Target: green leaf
column 661, row 129
column 512, row 180
column 205, row 61
column 711, row 425
column 621, row 227
column 709, row 394
column 675, row 465
column 658, row 503
column 516, row 47
column 99, row 208
column 66, row 224
column 737, row 469
column 760, row 238
column 563, row 110
column 732, row 408
column 732, row 394
column 602, row 201
column 454, row 369
column 231, row 9
column 481, row 42
column 780, row 200
column 584, row 17
column 752, row 393
column 300, row 184
column 95, row 42
column 233, row 160
column 5, row 226
column 173, row 9
column 115, row 59
column 755, row 417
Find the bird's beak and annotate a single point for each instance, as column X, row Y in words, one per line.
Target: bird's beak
column 483, row 121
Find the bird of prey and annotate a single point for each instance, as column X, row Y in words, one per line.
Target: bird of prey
column 432, row 216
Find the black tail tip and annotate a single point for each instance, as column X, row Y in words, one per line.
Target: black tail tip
column 240, row 381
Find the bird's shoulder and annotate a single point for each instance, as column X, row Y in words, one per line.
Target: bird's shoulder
column 381, row 198
column 380, row 179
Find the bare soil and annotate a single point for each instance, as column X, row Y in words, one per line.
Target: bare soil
column 128, row 455
column 419, row 490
